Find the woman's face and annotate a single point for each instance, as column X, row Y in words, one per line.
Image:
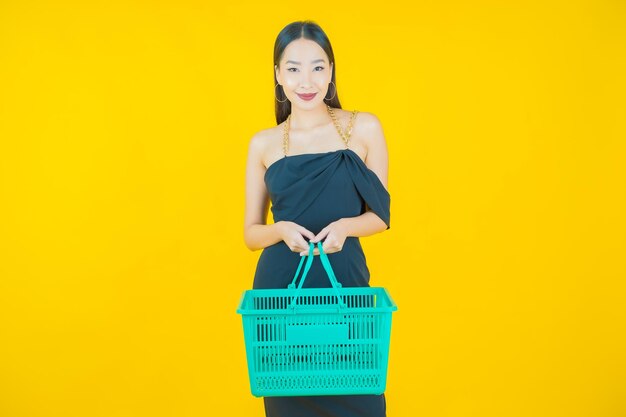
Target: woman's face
column 304, row 69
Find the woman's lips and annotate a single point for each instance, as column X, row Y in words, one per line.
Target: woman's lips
column 306, row 97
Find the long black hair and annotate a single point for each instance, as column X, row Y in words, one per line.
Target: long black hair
column 310, row 30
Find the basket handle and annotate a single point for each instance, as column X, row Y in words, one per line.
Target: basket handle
column 327, row 267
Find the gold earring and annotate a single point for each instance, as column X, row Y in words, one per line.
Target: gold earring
column 335, row 91
column 277, row 97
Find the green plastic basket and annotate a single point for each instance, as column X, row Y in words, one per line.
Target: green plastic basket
column 317, row 341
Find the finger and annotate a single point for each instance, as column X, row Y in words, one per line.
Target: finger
column 306, row 232
column 330, row 246
column 304, row 246
column 321, row 235
column 316, row 238
column 304, row 250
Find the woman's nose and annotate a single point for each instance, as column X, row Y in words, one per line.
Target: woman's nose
column 305, row 80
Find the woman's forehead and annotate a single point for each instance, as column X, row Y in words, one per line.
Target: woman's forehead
column 304, row 51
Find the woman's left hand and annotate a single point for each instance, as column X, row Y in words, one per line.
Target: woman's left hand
column 335, row 234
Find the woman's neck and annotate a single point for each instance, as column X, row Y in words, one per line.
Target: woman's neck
column 310, row 118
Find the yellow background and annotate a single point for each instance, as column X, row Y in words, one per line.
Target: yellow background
column 124, row 128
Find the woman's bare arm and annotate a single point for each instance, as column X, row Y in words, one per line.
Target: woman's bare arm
column 257, row 234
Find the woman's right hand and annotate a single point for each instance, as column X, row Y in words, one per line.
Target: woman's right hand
column 292, row 234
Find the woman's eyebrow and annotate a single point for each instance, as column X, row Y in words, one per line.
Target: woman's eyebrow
column 312, row 62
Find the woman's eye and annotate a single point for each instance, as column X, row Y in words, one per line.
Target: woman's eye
column 290, row 69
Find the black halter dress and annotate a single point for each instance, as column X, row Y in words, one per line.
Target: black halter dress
column 314, row 190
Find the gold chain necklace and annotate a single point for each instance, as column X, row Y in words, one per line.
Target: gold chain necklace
column 344, row 135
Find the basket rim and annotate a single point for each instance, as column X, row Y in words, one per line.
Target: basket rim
column 323, row 309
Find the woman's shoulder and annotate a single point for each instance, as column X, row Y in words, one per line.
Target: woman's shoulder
column 365, row 118
column 366, row 128
column 266, row 137
column 364, row 121
column 264, row 141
